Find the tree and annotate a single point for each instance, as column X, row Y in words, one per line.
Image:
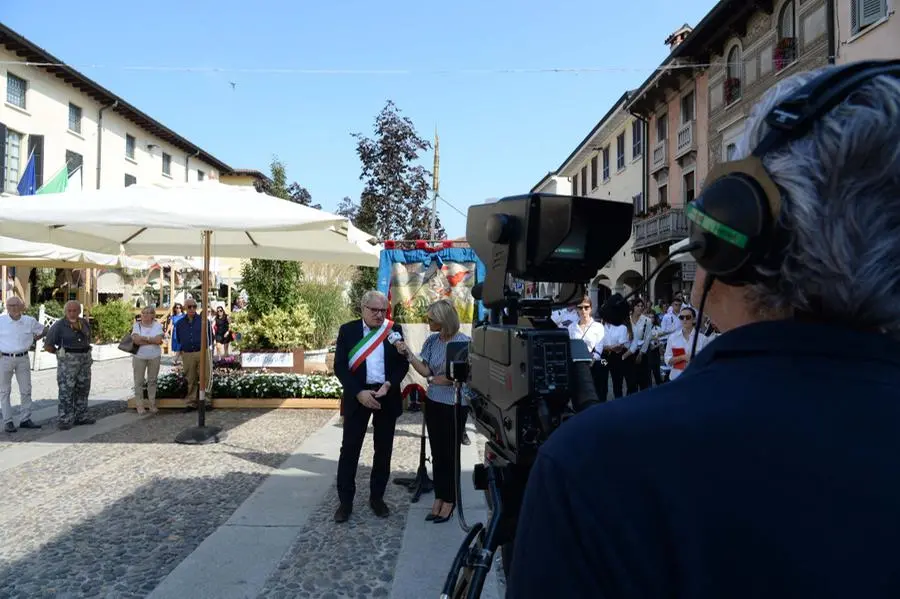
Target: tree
column 394, row 202
column 280, row 189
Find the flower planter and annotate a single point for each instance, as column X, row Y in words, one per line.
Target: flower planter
column 273, row 361
column 241, row 403
column 316, row 360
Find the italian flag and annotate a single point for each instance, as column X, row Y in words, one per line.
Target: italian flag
column 367, row 344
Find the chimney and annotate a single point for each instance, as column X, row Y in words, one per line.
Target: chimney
column 678, row 36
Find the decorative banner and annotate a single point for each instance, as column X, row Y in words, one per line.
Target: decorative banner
column 413, row 279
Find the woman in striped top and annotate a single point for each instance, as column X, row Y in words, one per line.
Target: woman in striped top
column 445, row 426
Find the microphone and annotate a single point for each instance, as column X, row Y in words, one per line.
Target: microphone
column 394, row 337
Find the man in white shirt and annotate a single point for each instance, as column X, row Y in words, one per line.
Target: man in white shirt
column 18, row 332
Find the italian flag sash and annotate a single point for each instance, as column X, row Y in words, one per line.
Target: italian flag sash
column 367, row 344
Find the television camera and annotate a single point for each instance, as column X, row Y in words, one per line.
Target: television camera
column 525, row 375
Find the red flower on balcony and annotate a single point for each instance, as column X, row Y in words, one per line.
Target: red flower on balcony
column 785, row 52
column 732, row 89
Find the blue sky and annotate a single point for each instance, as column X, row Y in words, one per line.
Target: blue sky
column 500, row 133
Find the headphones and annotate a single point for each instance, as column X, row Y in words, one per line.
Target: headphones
column 734, row 222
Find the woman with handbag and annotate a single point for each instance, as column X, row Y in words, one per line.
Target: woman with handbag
column 147, row 337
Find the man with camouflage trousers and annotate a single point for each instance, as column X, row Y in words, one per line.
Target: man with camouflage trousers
column 70, row 339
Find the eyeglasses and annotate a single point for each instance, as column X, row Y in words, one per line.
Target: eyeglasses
column 377, row 310
column 584, row 307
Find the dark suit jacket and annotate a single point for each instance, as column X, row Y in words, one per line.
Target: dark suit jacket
column 395, row 369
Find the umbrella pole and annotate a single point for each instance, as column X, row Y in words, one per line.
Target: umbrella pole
column 202, row 434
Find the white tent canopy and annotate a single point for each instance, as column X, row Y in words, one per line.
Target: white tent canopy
column 16, row 252
column 148, row 220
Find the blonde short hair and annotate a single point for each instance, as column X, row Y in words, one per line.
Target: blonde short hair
column 443, row 313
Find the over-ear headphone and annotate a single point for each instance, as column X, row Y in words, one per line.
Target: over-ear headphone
column 735, row 220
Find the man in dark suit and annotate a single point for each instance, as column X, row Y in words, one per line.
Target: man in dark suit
column 371, row 371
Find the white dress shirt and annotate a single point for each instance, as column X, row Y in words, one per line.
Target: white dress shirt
column 677, row 340
column 642, row 336
column 17, row 336
column 592, row 335
column 375, row 374
column 614, row 335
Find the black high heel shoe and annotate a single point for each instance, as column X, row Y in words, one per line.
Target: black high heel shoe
column 442, row 519
column 430, row 517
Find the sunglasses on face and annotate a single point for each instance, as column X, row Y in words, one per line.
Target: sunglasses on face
column 685, row 317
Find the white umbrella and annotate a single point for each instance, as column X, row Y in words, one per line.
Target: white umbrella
column 181, row 221
column 16, row 252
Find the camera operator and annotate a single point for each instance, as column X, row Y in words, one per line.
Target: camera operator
column 770, row 467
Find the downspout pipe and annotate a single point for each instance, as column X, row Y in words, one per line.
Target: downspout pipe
column 187, row 159
column 830, row 31
column 100, row 138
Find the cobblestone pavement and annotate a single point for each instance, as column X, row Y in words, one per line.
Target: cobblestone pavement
column 356, row 559
column 113, row 516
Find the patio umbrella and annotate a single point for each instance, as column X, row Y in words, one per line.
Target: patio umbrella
column 15, row 252
column 182, row 221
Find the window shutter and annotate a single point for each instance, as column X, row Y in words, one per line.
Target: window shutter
column 36, row 147
column 871, row 11
column 2, row 156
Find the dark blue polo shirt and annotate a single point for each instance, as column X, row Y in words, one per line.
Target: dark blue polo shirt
column 771, row 468
column 188, row 332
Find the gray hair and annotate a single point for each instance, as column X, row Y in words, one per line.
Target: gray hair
column 841, row 185
column 15, row 300
column 370, row 295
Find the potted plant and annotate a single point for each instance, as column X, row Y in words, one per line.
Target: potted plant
column 785, row 52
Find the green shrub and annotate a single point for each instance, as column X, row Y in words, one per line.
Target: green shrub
column 328, row 310
column 111, row 321
column 52, row 308
column 279, row 330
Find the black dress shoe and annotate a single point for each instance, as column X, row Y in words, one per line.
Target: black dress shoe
column 10, row 427
column 379, row 507
column 342, row 514
column 29, row 424
column 85, row 420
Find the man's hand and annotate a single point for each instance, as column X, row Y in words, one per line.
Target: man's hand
column 383, row 390
column 367, row 398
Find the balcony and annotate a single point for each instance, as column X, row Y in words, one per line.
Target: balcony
column 668, row 227
column 660, row 157
column 685, row 141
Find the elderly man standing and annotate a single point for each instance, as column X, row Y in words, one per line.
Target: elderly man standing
column 70, row 339
column 18, row 332
column 188, row 332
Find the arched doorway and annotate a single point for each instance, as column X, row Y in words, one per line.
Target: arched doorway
column 667, row 282
column 628, row 281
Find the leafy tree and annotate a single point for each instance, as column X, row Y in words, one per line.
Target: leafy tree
column 293, row 192
column 394, row 202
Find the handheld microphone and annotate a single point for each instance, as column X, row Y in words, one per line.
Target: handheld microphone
column 394, row 337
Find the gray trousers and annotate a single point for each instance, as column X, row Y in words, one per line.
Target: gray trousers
column 21, row 367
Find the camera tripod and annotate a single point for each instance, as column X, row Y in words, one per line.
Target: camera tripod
column 476, row 554
column 421, row 484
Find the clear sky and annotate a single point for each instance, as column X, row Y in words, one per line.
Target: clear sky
column 499, row 132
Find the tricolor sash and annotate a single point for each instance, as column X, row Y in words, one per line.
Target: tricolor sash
column 367, row 344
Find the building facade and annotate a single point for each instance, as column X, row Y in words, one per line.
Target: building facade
column 607, row 165
column 866, row 29
column 67, row 122
column 674, row 104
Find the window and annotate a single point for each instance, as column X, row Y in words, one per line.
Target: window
column 687, row 108
column 12, row 164
column 637, row 137
column 130, row 144
column 167, row 164
column 74, row 118
column 662, row 127
column 606, row 163
column 200, row 175
column 620, row 151
column 75, row 162
column 662, row 194
column 864, row 13
column 733, row 75
column 730, row 151
column 786, row 46
column 130, row 180
column 638, row 202
column 688, row 184
column 584, row 180
column 15, row 90
column 574, row 185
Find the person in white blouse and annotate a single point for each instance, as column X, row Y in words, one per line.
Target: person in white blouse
column 591, row 332
column 616, row 339
column 678, row 350
column 635, row 361
column 147, row 335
